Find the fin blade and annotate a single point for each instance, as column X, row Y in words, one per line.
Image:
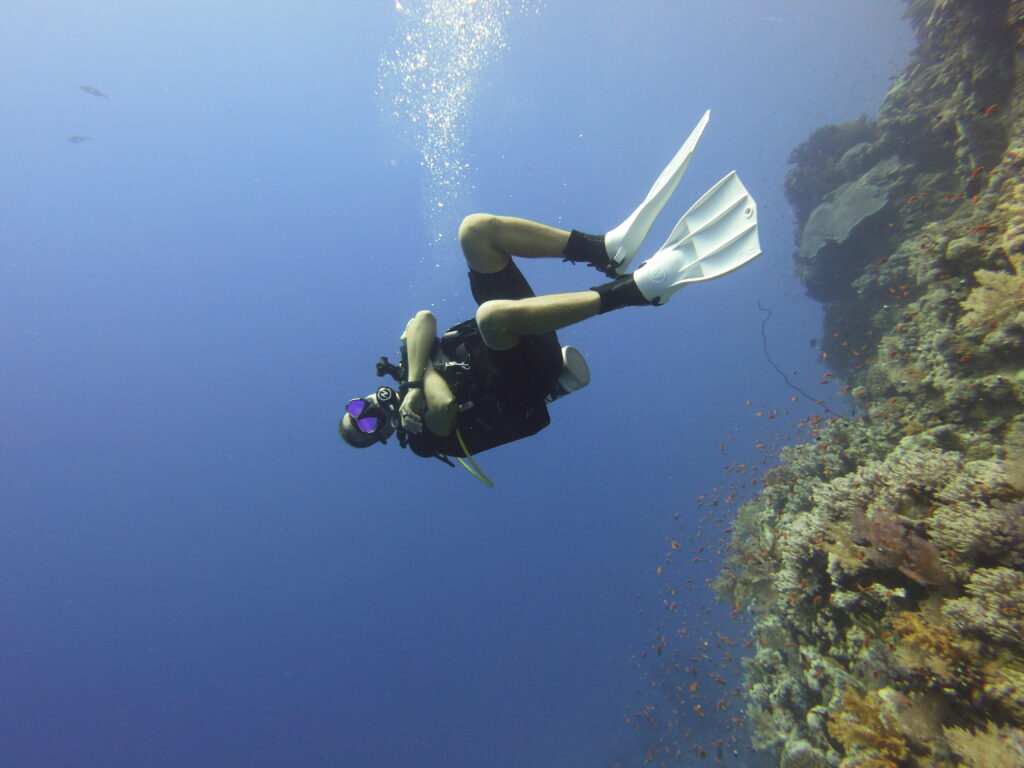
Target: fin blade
column 625, row 240
column 718, row 235
column 726, row 258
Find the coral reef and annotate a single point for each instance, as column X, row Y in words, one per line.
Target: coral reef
column 882, row 562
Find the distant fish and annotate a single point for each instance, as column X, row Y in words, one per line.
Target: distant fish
column 78, row 139
column 93, row 91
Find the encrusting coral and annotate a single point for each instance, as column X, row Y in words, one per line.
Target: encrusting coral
column 882, row 563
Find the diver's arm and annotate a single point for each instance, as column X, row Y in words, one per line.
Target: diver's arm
column 419, row 337
column 434, row 401
column 440, row 416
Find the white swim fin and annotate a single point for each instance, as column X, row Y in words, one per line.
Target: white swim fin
column 625, row 240
column 717, row 235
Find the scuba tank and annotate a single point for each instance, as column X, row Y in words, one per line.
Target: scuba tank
column 575, row 374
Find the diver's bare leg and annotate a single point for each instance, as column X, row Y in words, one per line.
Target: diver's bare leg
column 489, row 241
column 504, row 321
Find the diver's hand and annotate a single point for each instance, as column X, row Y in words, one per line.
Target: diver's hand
column 413, row 405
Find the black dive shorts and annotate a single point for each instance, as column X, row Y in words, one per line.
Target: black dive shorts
column 532, row 367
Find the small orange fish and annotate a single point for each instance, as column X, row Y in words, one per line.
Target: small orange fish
column 977, row 171
column 989, row 110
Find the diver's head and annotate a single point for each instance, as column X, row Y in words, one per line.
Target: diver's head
column 371, row 419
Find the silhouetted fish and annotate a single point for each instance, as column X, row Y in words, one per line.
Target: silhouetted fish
column 93, row 91
column 78, row 139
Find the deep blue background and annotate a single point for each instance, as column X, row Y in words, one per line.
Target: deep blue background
column 194, row 570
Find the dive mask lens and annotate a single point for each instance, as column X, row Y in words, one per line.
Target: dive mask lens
column 367, row 423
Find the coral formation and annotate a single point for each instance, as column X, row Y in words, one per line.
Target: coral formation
column 994, row 310
column 992, row 747
column 892, row 544
column 994, row 606
column 883, row 562
column 870, row 735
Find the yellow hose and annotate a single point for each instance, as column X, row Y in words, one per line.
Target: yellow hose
column 474, row 470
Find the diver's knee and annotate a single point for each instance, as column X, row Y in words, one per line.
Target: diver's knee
column 477, row 227
column 493, row 319
column 493, row 315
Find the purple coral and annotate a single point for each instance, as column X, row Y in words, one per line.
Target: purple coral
column 894, row 545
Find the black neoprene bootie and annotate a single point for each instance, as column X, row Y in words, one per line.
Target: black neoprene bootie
column 621, row 292
column 589, row 249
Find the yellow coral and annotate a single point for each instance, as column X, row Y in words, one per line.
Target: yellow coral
column 1004, row 685
column 992, row 748
column 995, row 307
column 927, row 643
column 1013, row 464
column 868, row 734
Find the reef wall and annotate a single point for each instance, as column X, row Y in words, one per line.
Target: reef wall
column 883, row 562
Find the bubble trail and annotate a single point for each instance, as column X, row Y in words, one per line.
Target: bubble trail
column 427, row 86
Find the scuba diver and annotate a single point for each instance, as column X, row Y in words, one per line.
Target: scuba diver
column 488, row 380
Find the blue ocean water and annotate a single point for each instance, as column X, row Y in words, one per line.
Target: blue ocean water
column 194, row 569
